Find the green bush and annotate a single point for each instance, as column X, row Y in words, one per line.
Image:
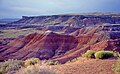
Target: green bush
column 104, row 54
column 36, row 60
column 89, row 54
column 28, row 63
column 31, row 61
column 10, row 65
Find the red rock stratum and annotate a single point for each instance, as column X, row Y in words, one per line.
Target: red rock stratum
column 60, row 47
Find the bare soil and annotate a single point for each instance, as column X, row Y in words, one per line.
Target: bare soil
column 87, row 66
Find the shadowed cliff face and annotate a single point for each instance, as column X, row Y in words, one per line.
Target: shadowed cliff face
column 62, row 47
column 72, row 20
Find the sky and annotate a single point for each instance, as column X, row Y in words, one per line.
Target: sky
column 18, row 8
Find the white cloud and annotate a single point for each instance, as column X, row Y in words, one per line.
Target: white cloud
column 27, row 9
column 40, row 7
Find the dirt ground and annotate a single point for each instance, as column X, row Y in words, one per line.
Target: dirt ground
column 87, row 66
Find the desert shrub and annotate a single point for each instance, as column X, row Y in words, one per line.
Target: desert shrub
column 104, row 54
column 36, row 60
column 2, row 70
column 53, row 63
column 31, row 61
column 116, row 55
column 116, row 67
column 10, row 65
column 37, row 69
column 89, row 54
column 28, row 63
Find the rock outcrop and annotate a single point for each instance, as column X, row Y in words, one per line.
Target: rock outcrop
column 79, row 20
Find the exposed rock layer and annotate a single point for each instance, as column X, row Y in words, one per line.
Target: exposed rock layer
column 61, row 47
column 79, row 20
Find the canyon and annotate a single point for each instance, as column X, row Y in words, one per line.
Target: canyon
column 62, row 37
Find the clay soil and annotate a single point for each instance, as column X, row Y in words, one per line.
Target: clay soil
column 87, row 66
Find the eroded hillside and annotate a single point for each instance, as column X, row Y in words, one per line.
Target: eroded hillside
column 63, row 46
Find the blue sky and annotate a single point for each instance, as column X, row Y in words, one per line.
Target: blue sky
column 18, row 8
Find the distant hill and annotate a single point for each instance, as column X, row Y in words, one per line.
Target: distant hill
column 8, row 20
column 75, row 20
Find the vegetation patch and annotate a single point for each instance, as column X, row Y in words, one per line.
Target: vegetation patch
column 37, row 69
column 53, row 63
column 101, row 54
column 31, row 61
column 104, row 54
column 89, row 54
column 10, row 65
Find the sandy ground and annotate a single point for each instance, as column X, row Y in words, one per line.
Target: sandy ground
column 87, row 66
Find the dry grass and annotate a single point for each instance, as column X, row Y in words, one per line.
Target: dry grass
column 18, row 67
column 80, row 66
column 10, row 66
column 13, row 33
column 38, row 69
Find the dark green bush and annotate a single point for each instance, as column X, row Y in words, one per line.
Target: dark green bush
column 53, row 63
column 104, row 54
column 89, row 54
